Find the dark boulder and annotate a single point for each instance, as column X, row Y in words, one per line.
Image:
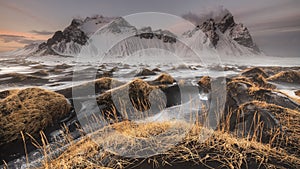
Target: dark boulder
column 297, row 93
column 98, row 86
column 163, row 78
column 134, row 99
column 205, row 84
column 286, row 76
column 129, row 100
column 145, row 72
column 240, row 91
column 255, row 120
column 29, row 111
column 250, row 72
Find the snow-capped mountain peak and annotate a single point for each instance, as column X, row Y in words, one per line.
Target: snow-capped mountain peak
column 117, row 26
column 218, row 34
column 226, row 36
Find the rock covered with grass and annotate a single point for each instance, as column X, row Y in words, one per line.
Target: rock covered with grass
column 163, row 78
column 128, row 99
column 205, row 83
column 297, row 93
column 29, row 111
column 220, row 149
column 286, row 76
column 255, row 120
column 99, row 86
column 250, row 72
column 145, row 72
column 242, row 89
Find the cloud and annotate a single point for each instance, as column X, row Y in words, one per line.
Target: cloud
column 20, row 10
column 215, row 12
column 16, row 38
column 43, row 32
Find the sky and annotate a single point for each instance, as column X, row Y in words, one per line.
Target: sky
column 274, row 24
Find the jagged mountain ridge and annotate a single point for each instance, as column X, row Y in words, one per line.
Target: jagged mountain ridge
column 223, row 35
column 225, row 31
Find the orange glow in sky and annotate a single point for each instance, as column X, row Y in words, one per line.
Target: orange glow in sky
column 12, row 45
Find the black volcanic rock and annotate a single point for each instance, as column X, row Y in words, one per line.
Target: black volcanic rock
column 57, row 37
column 254, row 71
column 209, row 28
column 242, row 36
column 76, row 22
column 60, row 38
column 240, row 91
column 73, row 33
column 208, row 25
column 226, row 22
column 145, row 72
column 291, row 76
column 244, row 121
column 164, row 35
column 228, row 27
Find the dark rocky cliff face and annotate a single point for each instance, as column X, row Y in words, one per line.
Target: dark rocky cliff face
column 209, row 28
column 242, row 36
column 72, row 38
column 226, row 23
column 60, row 38
column 237, row 32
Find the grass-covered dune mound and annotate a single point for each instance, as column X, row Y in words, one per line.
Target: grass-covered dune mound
column 250, row 72
column 220, row 150
column 291, row 76
column 99, row 85
column 29, row 110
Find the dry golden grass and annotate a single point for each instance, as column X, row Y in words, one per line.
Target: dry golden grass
column 145, row 72
column 240, row 79
column 254, row 71
column 205, row 83
column 106, row 147
column 29, row 110
column 139, row 95
column 297, row 93
column 288, row 138
column 257, row 81
column 143, row 131
column 256, row 89
column 100, row 85
column 286, row 76
column 221, row 150
column 163, row 78
column 296, row 99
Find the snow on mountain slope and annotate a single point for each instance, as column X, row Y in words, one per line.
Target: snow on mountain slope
column 25, row 51
column 91, row 24
column 216, row 36
column 70, row 41
column 223, row 35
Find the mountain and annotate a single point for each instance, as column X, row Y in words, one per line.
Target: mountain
column 223, row 34
column 71, row 39
column 216, row 35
